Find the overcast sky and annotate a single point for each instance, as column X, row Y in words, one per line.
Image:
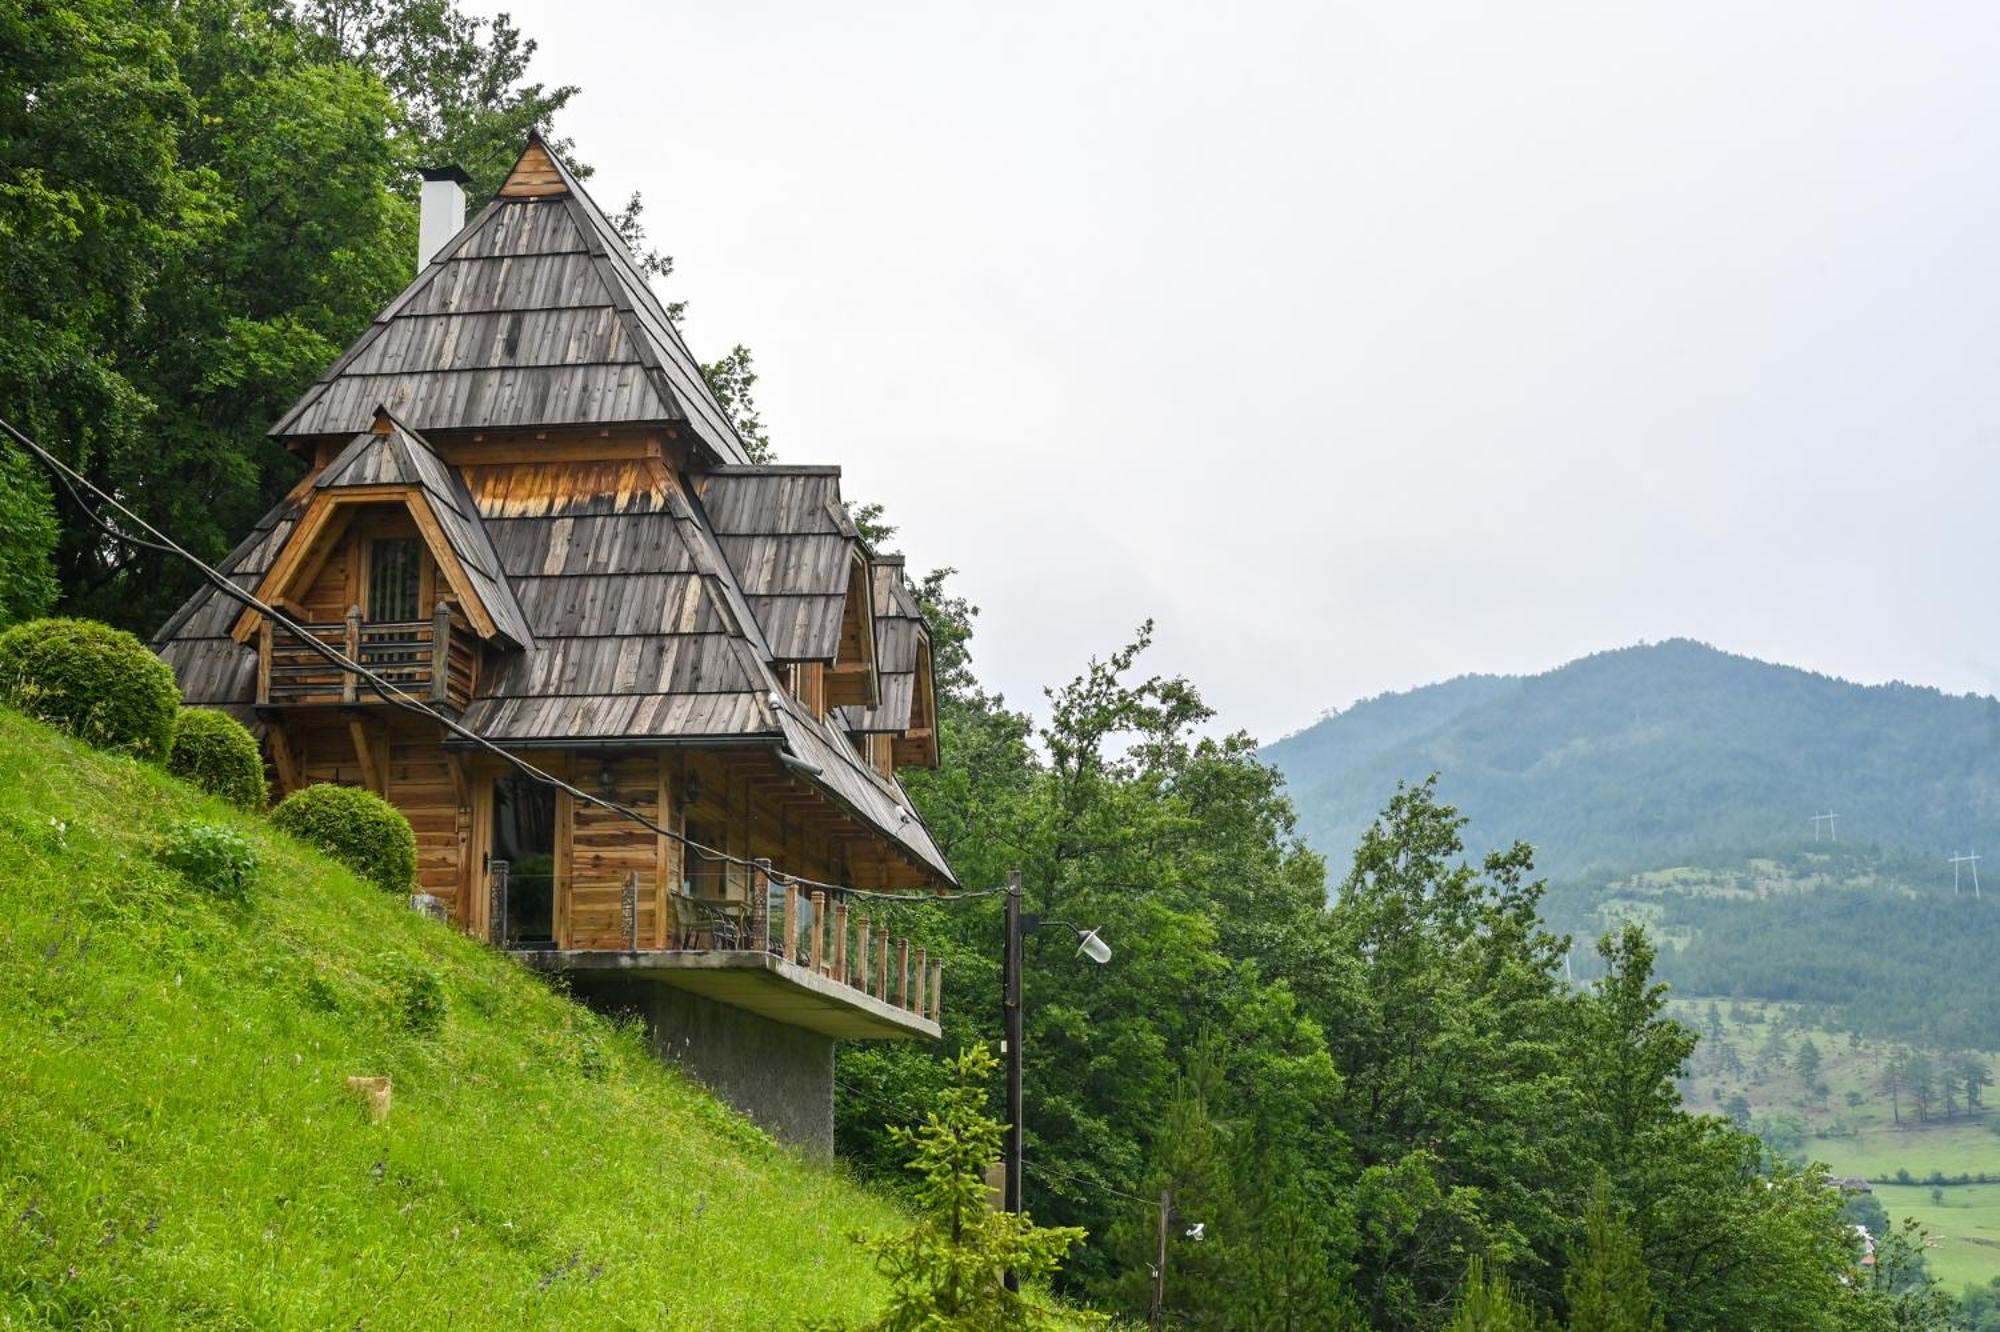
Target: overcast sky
column 1358, row 345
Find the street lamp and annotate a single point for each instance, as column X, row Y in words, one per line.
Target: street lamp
column 1090, row 944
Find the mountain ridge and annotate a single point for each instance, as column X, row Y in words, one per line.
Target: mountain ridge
column 1644, row 754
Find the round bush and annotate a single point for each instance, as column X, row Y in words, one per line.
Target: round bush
column 98, row 683
column 214, row 751
column 358, row 828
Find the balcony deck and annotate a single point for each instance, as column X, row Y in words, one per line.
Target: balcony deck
column 756, row 981
column 432, row 660
column 782, row 953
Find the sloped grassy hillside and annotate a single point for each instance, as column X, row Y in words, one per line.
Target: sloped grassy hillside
column 178, row 1147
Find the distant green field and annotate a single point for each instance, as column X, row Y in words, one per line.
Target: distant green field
column 1964, row 1243
column 1879, row 1153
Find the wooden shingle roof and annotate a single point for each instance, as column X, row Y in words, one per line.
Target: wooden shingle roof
column 793, row 548
column 534, row 315
column 214, row 670
column 653, row 648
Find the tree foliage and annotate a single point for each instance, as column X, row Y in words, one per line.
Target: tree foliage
column 1350, row 1100
column 946, row 1271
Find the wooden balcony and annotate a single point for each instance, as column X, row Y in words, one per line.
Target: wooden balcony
column 432, row 660
column 795, row 958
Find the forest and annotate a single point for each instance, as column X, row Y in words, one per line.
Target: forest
column 1877, row 939
column 1366, row 1088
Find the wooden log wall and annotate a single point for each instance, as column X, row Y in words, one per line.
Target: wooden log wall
column 605, row 847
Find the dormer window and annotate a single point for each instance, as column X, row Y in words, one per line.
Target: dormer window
column 395, row 581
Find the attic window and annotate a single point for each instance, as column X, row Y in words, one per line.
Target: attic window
column 395, row 579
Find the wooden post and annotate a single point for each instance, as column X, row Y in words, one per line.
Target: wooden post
column 839, row 972
column 882, row 966
column 923, row 972
column 350, row 682
column 859, row 980
column 819, row 931
column 937, row 990
column 440, row 651
column 496, row 910
column 902, row 973
column 282, row 760
column 760, row 894
column 1159, row 1312
column 264, row 660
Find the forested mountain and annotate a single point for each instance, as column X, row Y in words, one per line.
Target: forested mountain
column 1644, row 755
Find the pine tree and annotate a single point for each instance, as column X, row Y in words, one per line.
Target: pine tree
column 946, row 1271
column 1488, row 1305
column 1606, row 1285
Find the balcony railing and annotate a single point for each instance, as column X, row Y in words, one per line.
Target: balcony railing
column 429, row 659
column 799, row 927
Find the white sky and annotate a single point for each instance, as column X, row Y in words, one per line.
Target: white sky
column 1359, row 345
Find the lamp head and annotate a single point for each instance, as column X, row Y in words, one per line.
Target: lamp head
column 1092, row 946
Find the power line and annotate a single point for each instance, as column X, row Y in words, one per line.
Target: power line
column 393, row 694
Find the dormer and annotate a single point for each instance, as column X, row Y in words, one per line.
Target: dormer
column 900, row 731
column 389, row 562
column 806, row 575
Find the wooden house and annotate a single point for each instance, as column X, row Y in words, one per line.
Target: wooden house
column 522, row 504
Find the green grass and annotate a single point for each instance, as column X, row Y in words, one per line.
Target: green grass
column 1963, row 1246
column 1951, row 1149
column 178, row 1147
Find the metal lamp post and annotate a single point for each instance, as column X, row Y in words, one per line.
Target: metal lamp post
column 1090, row 944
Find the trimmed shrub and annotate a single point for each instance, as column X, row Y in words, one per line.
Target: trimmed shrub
column 358, row 828
column 217, row 859
column 214, row 751
column 98, row 683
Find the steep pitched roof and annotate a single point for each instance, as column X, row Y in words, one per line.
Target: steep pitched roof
column 214, row 670
column 638, row 635
column 844, row 774
column 793, row 548
column 534, row 315
column 391, row 454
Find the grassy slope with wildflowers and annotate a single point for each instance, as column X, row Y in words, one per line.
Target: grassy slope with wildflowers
column 178, row 1147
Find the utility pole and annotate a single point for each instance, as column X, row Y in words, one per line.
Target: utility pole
column 1090, row 944
column 1010, row 1014
column 1972, row 860
column 1159, row 1314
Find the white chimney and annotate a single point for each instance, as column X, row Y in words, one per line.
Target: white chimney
column 442, row 210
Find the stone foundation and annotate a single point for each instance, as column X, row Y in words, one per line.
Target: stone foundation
column 779, row 1075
